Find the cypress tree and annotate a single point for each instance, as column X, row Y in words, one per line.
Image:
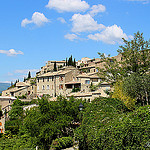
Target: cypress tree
column 55, row 69
column 66, row 62
column 74, row 63
column 29, row 75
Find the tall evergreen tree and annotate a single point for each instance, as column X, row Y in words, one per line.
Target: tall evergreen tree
column 29, row 75
column 55, row 68
column 66, row 62
column 74, row 64
column 11, row 83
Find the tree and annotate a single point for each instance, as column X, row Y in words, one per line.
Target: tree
column 138, row 87
column 15, row 117
column 55, row 68
column 74, row 64
column 132, row 71
column 135, row 57
column 66, row 62
column 136, row 54
column 11, row 84
column 29, row 75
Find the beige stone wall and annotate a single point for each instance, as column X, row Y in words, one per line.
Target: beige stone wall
column 45, row 86
column 57, row 84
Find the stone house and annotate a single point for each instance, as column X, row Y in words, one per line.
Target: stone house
column 54, row 83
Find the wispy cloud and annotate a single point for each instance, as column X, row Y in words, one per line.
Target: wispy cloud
column 26, row 71
column 95, row 9
column 62, row 20
column 11, row 52
column 71, row 37
column 37, row 18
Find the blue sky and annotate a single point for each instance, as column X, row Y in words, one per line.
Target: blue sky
column 35, row 31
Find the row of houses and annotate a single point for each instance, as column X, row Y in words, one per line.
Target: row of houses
column 66, row 81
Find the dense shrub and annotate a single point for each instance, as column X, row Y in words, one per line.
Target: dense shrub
column 107, row 124
column 61, row 143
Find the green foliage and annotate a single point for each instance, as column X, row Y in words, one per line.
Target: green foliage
column 107, row 124
column 135, row 59
column 76, row 89
column 138, row 87
column 93, row 87
column 70, row 62
column 22, row 97
column 32, row 82
column 61, row 143
column 45, row 123
column 29, row 75
column 123, row 96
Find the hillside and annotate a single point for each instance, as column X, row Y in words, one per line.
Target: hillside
column 4, row 86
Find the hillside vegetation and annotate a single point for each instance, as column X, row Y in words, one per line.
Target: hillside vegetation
column 106, row 123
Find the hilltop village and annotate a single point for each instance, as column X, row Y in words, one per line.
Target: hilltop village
column 78, row 79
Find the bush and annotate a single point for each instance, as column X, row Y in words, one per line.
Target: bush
column 107, row 124
column 76, row 89
column 62, row 143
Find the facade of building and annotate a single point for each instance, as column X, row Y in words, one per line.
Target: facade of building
column 27, row 88
column 54, row 83
column 65, row 81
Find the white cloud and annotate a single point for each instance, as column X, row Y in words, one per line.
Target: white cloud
column 111, row 35
column 95, row 9
column 37, row 18
column 11, row 52
column 71, row 37
column 26, row 71
column 5, row 82
column 62, row 20
column 68, row 5
column 83, row 23
column 143, row 1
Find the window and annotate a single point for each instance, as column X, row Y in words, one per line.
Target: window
column 60, row 86
column 52, row 78
column 48, row 79
column 43, row 88
column 94, row 80
column 38, row 80
column 43, row 79
column 111, row 61
column 87, row 81
column 60, row 78
column 38, row 88
column 47, row 87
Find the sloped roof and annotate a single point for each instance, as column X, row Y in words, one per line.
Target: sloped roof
column 22, row 84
